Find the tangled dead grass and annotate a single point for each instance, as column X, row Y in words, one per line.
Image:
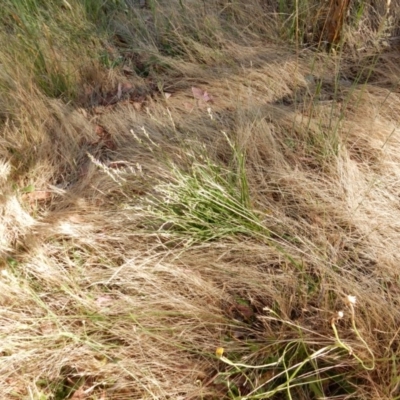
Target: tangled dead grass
column 216, row 192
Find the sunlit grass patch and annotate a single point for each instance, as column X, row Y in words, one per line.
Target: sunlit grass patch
column 206, row 202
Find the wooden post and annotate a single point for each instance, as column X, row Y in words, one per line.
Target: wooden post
column 334, row 22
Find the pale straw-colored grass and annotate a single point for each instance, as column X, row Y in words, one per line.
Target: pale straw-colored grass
column 242, row 223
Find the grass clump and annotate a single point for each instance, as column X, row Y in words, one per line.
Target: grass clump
column 208, row 202
column 39, row 40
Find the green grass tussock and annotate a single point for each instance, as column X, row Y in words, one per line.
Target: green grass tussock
column 199, row 200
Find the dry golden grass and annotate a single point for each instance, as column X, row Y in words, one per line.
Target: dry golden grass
column 142, row 227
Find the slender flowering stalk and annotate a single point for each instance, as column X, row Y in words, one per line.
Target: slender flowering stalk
column 351, row 302
column 220, row 351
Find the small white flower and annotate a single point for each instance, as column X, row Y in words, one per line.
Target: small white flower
column 5, row 273
column 351, row 299
column 340, row 314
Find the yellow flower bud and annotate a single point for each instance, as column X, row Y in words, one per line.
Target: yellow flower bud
column 219, row 351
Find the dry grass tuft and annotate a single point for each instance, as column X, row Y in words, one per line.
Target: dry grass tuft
column 194, row 205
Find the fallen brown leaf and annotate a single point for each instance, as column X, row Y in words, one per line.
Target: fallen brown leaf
column 201, row 95
column 100, row 131
column 197, row 93
column 246, row 311
column 207, row 97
